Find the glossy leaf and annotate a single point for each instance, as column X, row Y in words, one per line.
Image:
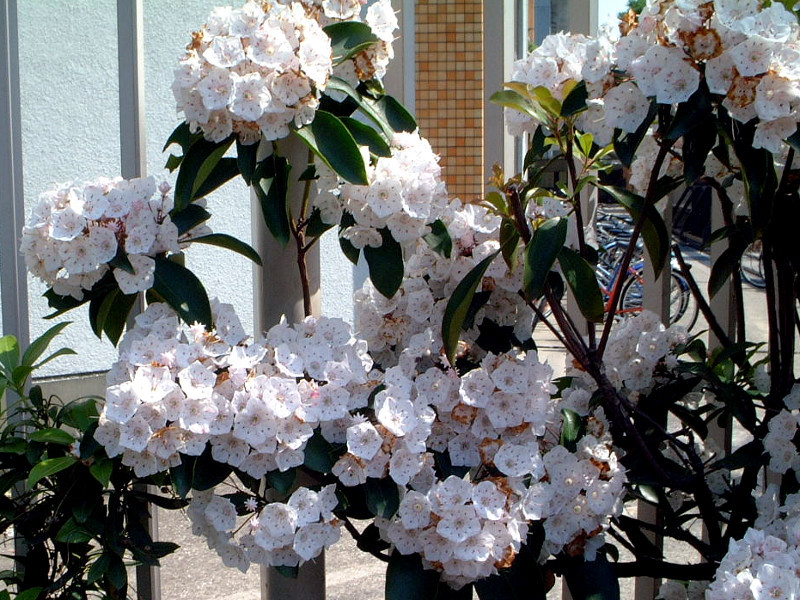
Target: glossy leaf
column 223, row 240
column 582, row 281
column 726, row 264
column 365, row 135
column 654, row 230
column 52, row 436
column 99, row 568
column 246, row 159
column 368, row 108
column 541, row 254
column 572, row 429
column 272, row 193
column 593, row 580
column 73, row 533
column 282, row 482
column 320, row 454
column 198, row 163
column 458, row 305
column 226, row 169
column 9, row 352
column 101, row 471
column 575, row 100
column 111, row 315
column 48, row 467
column 695, row 111
column 182, row 290
column 333, row 143
column 385, row 264
column 183, row 136
column 348, row 38
column 626, row 144
column 439, row 239
column 406, row 579
column 396, row 115
column 189, row 217
column 383, row 499
column 514, row 100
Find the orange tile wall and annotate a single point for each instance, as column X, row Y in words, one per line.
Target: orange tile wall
column 450, row 89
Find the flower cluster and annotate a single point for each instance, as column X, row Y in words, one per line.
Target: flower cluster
column 260, row 69
column 779, row 444
column 253, row 72
column 178, row 390
column 405, row 194
column 765, row 562
column 76, row 230
column 279, row 534
column 745, row 52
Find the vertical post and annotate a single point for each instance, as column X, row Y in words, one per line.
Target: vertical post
column 278, row 292
column 133, row 162
column 13, row 275
column 498, row 45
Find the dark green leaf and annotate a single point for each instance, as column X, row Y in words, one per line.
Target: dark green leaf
column 540, row 255
column 575, row 101
column 116, row 574
column 112, row 314
column 329, row 139
column 73, row 533
column 351, row 252
column 183, row 136
column 695, row 111
column 582, row 281
column 189, row 217
column 99, row 568
column 406, row 579
column 366, row 106
column 198, row 163
column 40, row 344
column 439, row 239
column 13, row 446
column 288, row 572
column 101, row 471
column 509, row 242
column 320, row 454
column 29, row 594
column 537, row 149
column 385, row 264
column 165, row 502
column 514, row 100
column 173, row 162
column 48, row 467
column 592, row 580
column 80, row 414
column 274, row 198
column 458, row 305
column 53, row 436
column 181, row 475
column 383, row 499
column 224, row 240
column 396, row 115
column 626, row 144
column 365, row 135
column 246, row 159
column 208, row 473
column 282, row 482
column 748, row 455
column 571, row 430
column 225, row 170
column 654, row 231
column 182, row 290
column 726, row 264
column 316, row 226
column 348, row 38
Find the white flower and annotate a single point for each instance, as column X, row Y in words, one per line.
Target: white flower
column 626, row 107
column 363, row 440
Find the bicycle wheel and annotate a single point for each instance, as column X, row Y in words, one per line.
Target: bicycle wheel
column 683, row 307
column 631, row 297
column 752, row 266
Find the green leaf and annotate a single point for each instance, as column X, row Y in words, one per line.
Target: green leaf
column 367, row 107
column 329, row 139
column 726, row 264
column 14, row 446
column 509, row 242
column 80, row 414
column 396, row 115
column 189, row 217
column 40, row 344
column 246, row 157
column 654, row 231
column 406, row 579
column 320, row 454
column 541, row 254
column 9, row 353
column 592, row 580
column 183, row 136
column 575, row 101
column 695, row 111
column 226, row 169
column 29, row 594
column 48, row 467
column 224, row 240
column 439, row 239
column 385, row 264
column 316, row 226
column 112, row 314
column 383, row 499
column 626, row 144
column 274, row 198
column 515, row 100
column 458, row 305
column 288, row 572
column 583, row 282
column 101, row 471
column 52, row 436
column 199, row 161
column 365, row 135
column 182, row 290
column 348, row 38
column 282, row 482
column 572, row 429
column 99, row 568
column 54, row 355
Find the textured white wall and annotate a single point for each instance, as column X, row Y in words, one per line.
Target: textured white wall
column 70, row 130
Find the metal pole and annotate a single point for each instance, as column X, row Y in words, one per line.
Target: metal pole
column 13, row 275
column 133, row 162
